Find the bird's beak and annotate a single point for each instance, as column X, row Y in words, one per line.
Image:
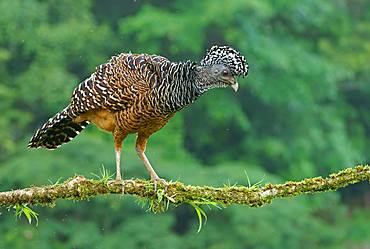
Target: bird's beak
column 234, row 84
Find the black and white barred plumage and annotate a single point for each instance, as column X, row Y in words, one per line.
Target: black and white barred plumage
column 56, row 131
column 227, row 56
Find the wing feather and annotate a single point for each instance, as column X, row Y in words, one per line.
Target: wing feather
column 116, row 84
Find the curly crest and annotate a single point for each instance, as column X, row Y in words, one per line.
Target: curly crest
column 227, row 56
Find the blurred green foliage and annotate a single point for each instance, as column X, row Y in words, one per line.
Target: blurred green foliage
column 302, row 111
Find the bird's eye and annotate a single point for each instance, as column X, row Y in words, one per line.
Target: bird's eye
column 225, row 73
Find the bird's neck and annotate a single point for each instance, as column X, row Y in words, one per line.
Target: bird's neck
column 181, row 86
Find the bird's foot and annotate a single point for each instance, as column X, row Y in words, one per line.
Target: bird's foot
column 128, row 182
column 161, row 180
column 123, row 183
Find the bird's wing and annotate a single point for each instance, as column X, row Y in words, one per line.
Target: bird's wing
column 116, row 84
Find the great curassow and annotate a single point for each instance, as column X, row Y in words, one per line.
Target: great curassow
column 139, row 93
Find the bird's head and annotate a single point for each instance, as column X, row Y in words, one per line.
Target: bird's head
column 221, row 65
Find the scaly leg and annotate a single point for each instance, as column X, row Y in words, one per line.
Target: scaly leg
column 118, row 136
column 118, row 164
column 141, row 142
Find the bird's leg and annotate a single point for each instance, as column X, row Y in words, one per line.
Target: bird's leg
column 141, row 142
column 140, row 149
column 118, row 136
column 118, row 164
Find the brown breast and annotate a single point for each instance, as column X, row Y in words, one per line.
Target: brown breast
column 146, row 121
column 130, row 120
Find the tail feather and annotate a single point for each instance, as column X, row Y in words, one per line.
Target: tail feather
column 56, row 131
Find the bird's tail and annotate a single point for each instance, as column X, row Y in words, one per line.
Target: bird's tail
column 56, row 131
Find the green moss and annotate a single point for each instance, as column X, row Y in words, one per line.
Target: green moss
column 177, row 193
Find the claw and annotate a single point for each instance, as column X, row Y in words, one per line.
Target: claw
column 127, row 181
column 164, row 182
column 123, row 183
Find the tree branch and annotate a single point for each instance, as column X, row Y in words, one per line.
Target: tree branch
column 79, row 188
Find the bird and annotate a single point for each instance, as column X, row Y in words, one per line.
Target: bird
column 139, row 94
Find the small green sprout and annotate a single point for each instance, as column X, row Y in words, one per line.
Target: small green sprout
column 257, row 184
column 55, row 183
column 201, row 213
column 104, row 175
column 23, row 209
column 160, row 203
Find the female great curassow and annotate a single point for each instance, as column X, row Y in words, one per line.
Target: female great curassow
column 139, row 93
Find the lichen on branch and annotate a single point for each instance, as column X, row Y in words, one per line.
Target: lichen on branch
column 80, row 188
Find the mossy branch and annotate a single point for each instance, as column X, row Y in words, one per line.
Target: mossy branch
column 79, row 188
